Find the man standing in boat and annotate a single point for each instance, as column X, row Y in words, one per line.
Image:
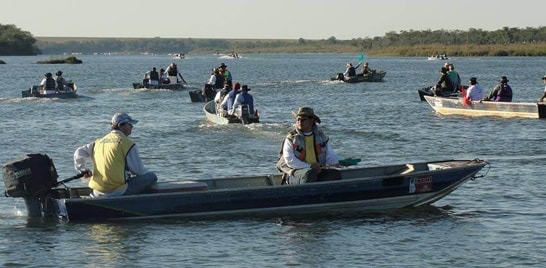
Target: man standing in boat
column 173, row 73
column 306, row 153
column 117, row 167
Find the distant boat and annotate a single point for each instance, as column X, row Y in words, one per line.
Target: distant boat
column 179, row 56
column 68, row 93
column 373, row 76
column 455, row 106
column 210, row 113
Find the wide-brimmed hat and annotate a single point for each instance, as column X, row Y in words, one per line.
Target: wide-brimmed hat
column 59, row 73
column 121, row 118
column 306, row 111
column 48, row 75
column 503, row 79
column 222, row 65
column 473, row 80
column 245, row 88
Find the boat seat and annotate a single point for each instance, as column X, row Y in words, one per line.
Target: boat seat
column 408, row 168
column 178, row 186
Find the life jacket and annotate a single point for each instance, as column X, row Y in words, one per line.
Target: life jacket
column 505, row 93
column 154, row 75
column 49, row 84
column 298, row 143
column 109, row 162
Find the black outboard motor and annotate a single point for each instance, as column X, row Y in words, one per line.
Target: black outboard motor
column 32, row 178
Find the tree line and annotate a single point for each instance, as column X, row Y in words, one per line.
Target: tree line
column 473, row 42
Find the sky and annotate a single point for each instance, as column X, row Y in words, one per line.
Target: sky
column 264, row 19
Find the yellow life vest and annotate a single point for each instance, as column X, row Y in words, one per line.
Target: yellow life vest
column 109, row 162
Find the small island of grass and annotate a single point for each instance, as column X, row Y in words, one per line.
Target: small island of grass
column 69, row 60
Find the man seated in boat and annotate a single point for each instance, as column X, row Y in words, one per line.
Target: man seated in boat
column 366, row 69
column 243, row 106
column 444, row 86
column 117, row 166
column 502, row 92
column 229, row 100
column 350, row 71
column 151, row 78
column 47, row 85
column 306, row 154
column 219, row 98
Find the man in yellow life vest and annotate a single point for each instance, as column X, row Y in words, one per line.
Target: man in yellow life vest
column 117, row 167
column 306, row 153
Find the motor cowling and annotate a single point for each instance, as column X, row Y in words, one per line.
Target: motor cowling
column 31, row 176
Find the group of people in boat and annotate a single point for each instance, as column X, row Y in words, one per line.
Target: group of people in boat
column 306, row 156
column 234, row 101
column 450, row 83
column 54, row 84
column 350, row 70
column 163, row 77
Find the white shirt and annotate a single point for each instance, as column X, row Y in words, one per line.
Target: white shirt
column 475, row 92
column 212, row 80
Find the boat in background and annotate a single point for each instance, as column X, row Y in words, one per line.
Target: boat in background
column 455, row 106
column 244, row 116
column 69, row 92
column 364, row 189
column 172, row 86
column 373, row 76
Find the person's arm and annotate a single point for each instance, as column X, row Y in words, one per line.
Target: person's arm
column 543, row 96
column 81, row 155
column 134, row 163
column 331, row 157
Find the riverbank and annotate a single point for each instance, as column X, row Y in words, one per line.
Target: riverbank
column 84, row 45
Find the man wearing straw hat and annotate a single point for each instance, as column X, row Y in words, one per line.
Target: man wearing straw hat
column 306, row 153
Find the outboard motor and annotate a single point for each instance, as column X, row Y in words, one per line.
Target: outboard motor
column 32, row 178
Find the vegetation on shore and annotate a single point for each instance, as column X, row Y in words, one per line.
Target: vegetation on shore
column 474, row 42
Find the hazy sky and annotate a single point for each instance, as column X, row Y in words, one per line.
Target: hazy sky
column 263, row 19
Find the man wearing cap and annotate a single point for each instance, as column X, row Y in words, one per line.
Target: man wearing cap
column 117, row 167
column 502, row 92
column 306, row 152
column 543, row 94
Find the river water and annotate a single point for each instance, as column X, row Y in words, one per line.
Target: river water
column 495, row 221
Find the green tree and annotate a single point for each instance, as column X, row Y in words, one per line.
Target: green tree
column 15, row 42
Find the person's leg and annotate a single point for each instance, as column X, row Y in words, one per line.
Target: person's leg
column 304, row 175
column 139, row 184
